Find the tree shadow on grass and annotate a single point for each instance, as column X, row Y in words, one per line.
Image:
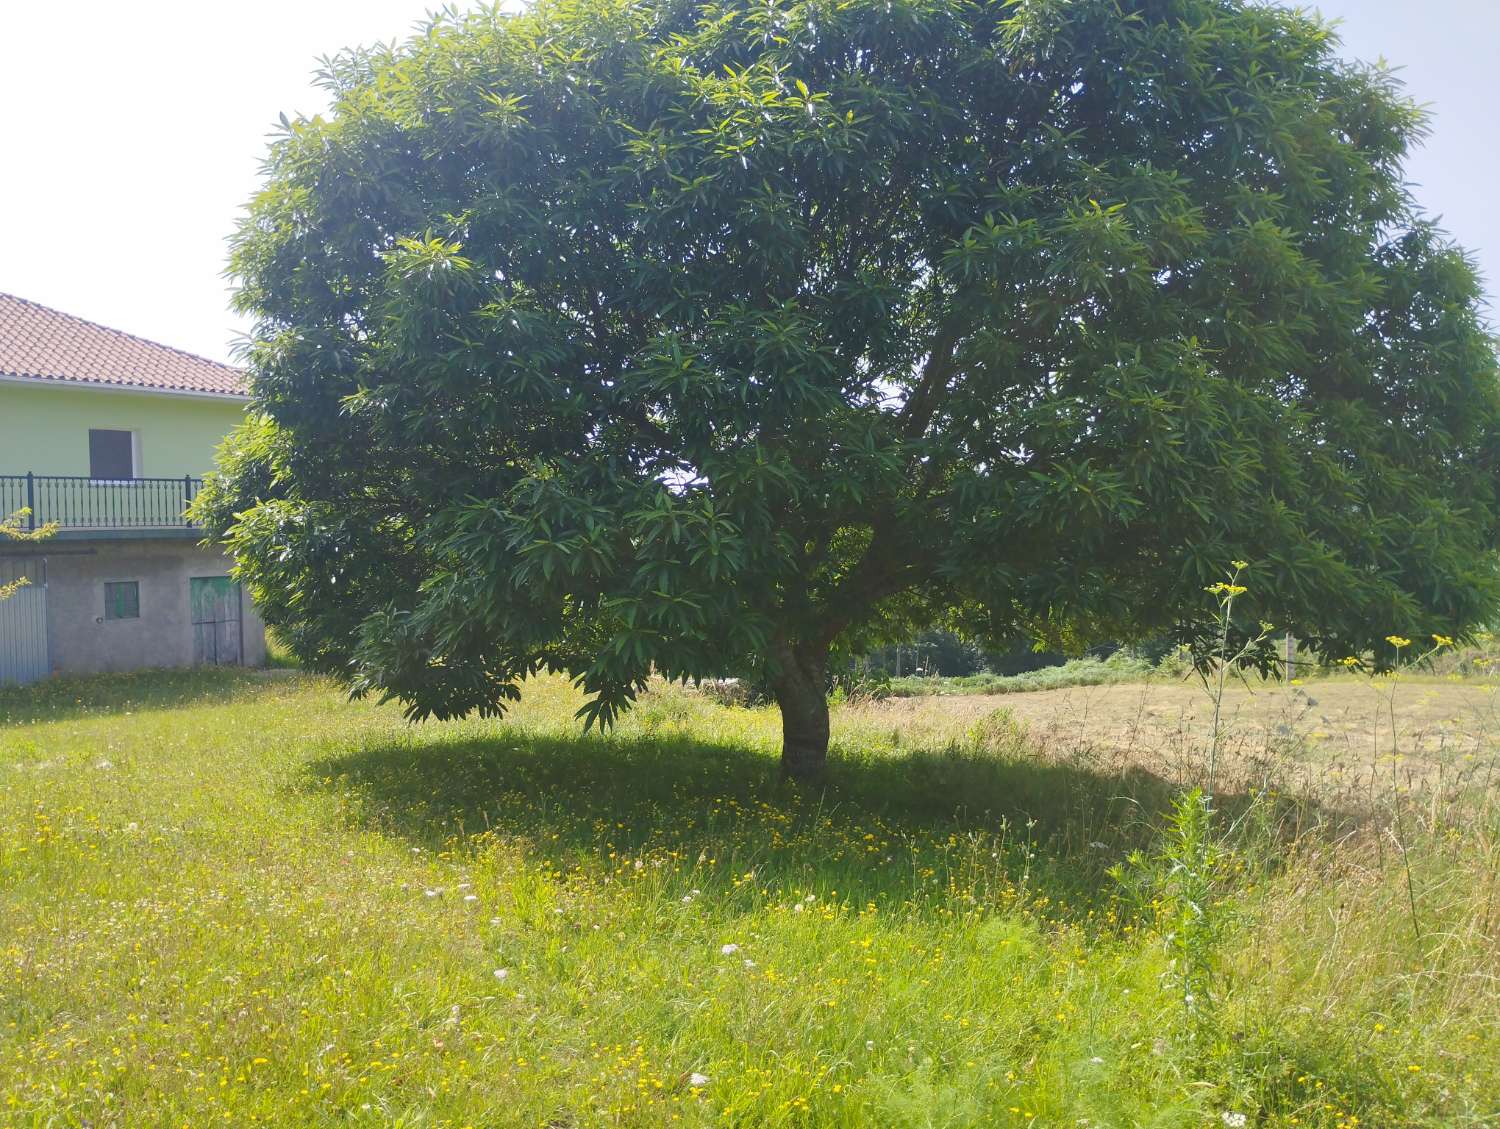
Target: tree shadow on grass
column 920, row 826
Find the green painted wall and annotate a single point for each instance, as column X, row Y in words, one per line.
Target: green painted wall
column 45, row 428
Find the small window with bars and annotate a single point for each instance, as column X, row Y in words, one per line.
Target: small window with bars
column 122, row 599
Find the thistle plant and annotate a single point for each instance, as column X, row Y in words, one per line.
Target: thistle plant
column 1192, row 910
column 1182, row 881
column 1226, row 592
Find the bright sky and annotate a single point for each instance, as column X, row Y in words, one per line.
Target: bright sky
column 132, row 132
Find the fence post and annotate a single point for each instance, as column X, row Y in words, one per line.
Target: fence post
column 30, row 501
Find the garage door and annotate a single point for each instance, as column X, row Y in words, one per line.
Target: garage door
column 216, row 620
column 23, row 621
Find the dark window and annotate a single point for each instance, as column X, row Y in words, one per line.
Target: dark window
column 122, row 599
column 111, row 454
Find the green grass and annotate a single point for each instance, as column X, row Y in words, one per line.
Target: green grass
column 236, row 898
column 1122, row 666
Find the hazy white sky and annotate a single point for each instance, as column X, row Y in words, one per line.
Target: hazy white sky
column 132, row 132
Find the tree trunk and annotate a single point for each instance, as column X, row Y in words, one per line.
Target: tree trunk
column 801, row 692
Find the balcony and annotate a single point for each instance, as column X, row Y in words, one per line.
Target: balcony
column 90, row 504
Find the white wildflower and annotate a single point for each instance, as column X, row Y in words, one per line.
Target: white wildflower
column 1234, row 1120
column 696, row 1079
column 729, row 949
column 501, row 973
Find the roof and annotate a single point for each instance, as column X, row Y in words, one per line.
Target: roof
column 39, row 343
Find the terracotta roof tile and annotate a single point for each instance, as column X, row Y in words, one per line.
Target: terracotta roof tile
column 44, row 344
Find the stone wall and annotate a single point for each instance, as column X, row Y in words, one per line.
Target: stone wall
column 81, row 640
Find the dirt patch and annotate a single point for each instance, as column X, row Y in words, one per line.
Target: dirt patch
column 1329, row 733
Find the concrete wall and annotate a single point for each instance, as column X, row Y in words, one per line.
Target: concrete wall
column 82, row 641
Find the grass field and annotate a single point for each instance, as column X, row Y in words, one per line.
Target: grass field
column 233, row 898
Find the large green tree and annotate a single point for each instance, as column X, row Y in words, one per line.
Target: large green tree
column 621, row 335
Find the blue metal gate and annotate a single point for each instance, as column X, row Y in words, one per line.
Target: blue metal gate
column 23, row 621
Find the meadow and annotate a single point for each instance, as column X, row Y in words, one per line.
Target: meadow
column 233, row 898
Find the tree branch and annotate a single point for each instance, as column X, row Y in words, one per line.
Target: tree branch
column 884, row 570
column 927, row 397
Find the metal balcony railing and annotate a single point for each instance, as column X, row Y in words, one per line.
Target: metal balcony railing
column 93, row 503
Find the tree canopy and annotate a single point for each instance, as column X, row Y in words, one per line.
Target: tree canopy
column 621, row 336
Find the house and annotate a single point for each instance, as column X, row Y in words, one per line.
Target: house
column 108, row 435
